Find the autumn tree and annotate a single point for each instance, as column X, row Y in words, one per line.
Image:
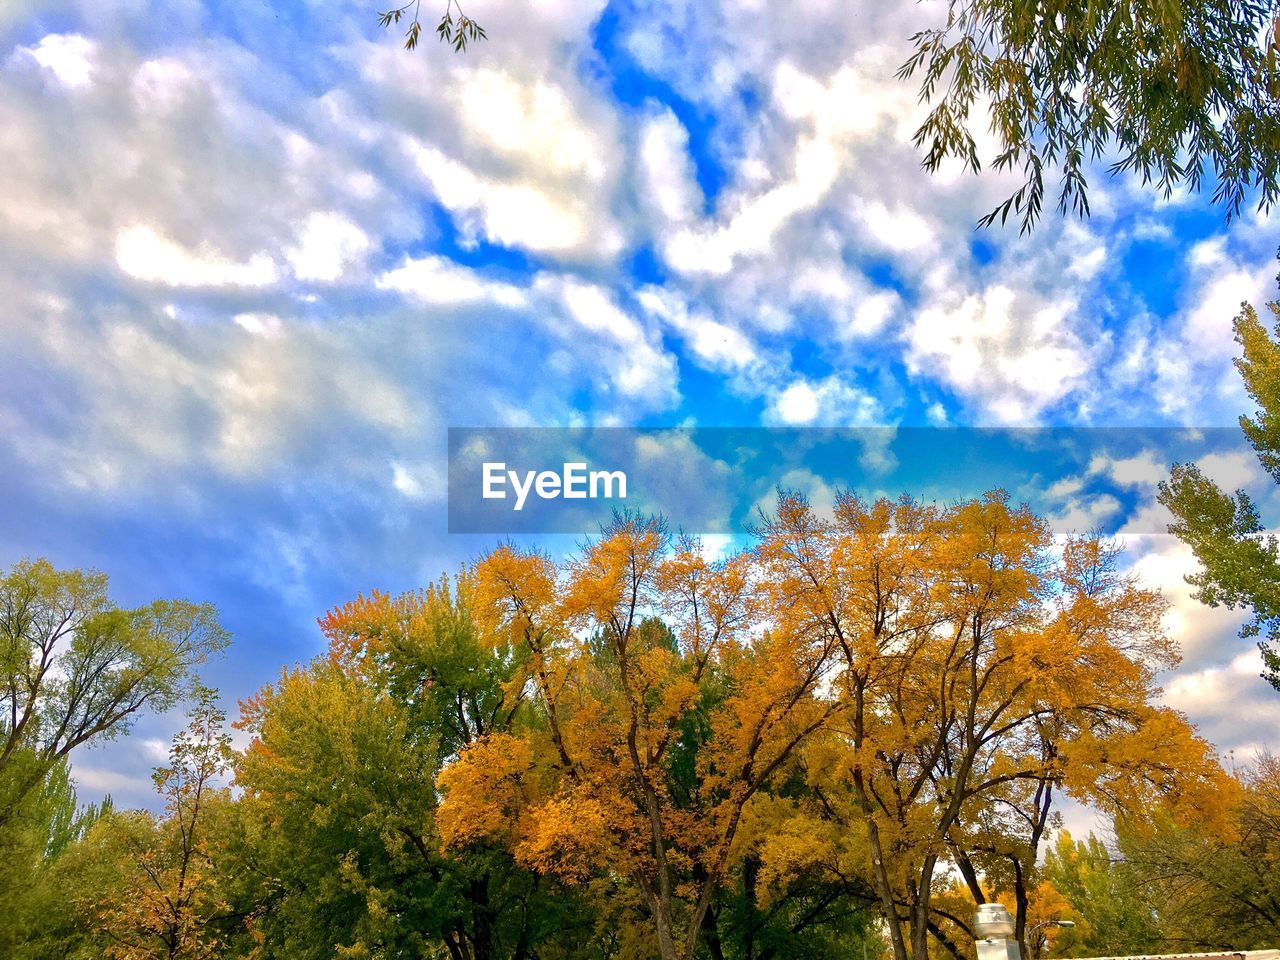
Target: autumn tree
column 164, row 909
column 340, row 806
column 641, row 657
column 1239, row 564
column 76, row 669
column 982, row 666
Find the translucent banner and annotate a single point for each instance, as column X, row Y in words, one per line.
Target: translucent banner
column 506, row 480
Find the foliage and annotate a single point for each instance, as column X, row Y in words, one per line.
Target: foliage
column 457, row 33
column 1238, row 557
column 171, row 895
column 339, row 806
column 593, row 790
column 983, row 668
column 75, row 669
column 1107, row 899
column 860, row 726
column 48, row 824
column 1170, row 91
column 1217, row 889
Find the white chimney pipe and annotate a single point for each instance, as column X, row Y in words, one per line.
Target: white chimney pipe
column 994, row 928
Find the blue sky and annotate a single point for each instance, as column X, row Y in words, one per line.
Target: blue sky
column 255, row 259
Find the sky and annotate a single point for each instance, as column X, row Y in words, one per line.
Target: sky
column 256, row 259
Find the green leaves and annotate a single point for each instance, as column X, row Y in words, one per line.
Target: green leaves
column 76, row 669
column 455, row 32
column 459, row 33
column 1167, row 91
column 1240, row 561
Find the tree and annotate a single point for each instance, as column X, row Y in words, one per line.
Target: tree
column 1171, row 91
column 1112, row 908
column 457, row 33
column 982, row 666
column 339, row 806
column 668, row 706
column 1216, row 887
column 40, row 920
column 1240, row 567
column 165, row 907
column 75, row 669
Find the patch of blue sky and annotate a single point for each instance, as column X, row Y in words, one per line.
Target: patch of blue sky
column 713, row 139
column 442, row 236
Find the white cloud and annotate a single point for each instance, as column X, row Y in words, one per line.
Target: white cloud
column 1084, row 514
column 327, row 244
column 1143, row 470
column 718, row 345
column 1204, row 633
column 437, row 280
column 146, row 255
column 593, row 308
column 900, row 228
column 797, row 404
column 266, row 325
column 1012, row 357
column 67, row 56
column 667, row 169
column 828, row 402
column 424, row 481
column 1230, row 703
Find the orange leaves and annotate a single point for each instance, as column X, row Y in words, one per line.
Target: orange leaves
column 666, row 700
column 982, row 665
column 484, row 791
column 364, row 625
column 368, row 634
column 1156, row 762
column 566, row 836
column 493, row 793
column 516, row 594
column 707, row 604
column 615, row 573
column 936, row 675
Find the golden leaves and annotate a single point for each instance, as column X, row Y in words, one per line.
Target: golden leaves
column 484, row 791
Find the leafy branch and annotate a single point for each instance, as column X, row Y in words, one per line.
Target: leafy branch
column 457, row 32
column 1172, row 93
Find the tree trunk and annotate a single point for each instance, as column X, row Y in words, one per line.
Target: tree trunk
column 666, row 938
column 880, row 871
column 920, row 911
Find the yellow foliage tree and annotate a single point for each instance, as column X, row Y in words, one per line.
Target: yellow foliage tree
column 668, row 702
column 984, row 664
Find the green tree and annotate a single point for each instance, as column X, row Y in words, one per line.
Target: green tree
column 340, row 800
column 1114, row 913
column 455, row 27
column 76, row 669
column 1240, row 567
column 48, row 823
column 1217, row 889
column 1173, row 91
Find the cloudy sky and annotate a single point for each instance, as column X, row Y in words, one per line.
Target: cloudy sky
column 255, row 259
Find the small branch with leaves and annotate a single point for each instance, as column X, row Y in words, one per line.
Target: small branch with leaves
column 455, row 27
